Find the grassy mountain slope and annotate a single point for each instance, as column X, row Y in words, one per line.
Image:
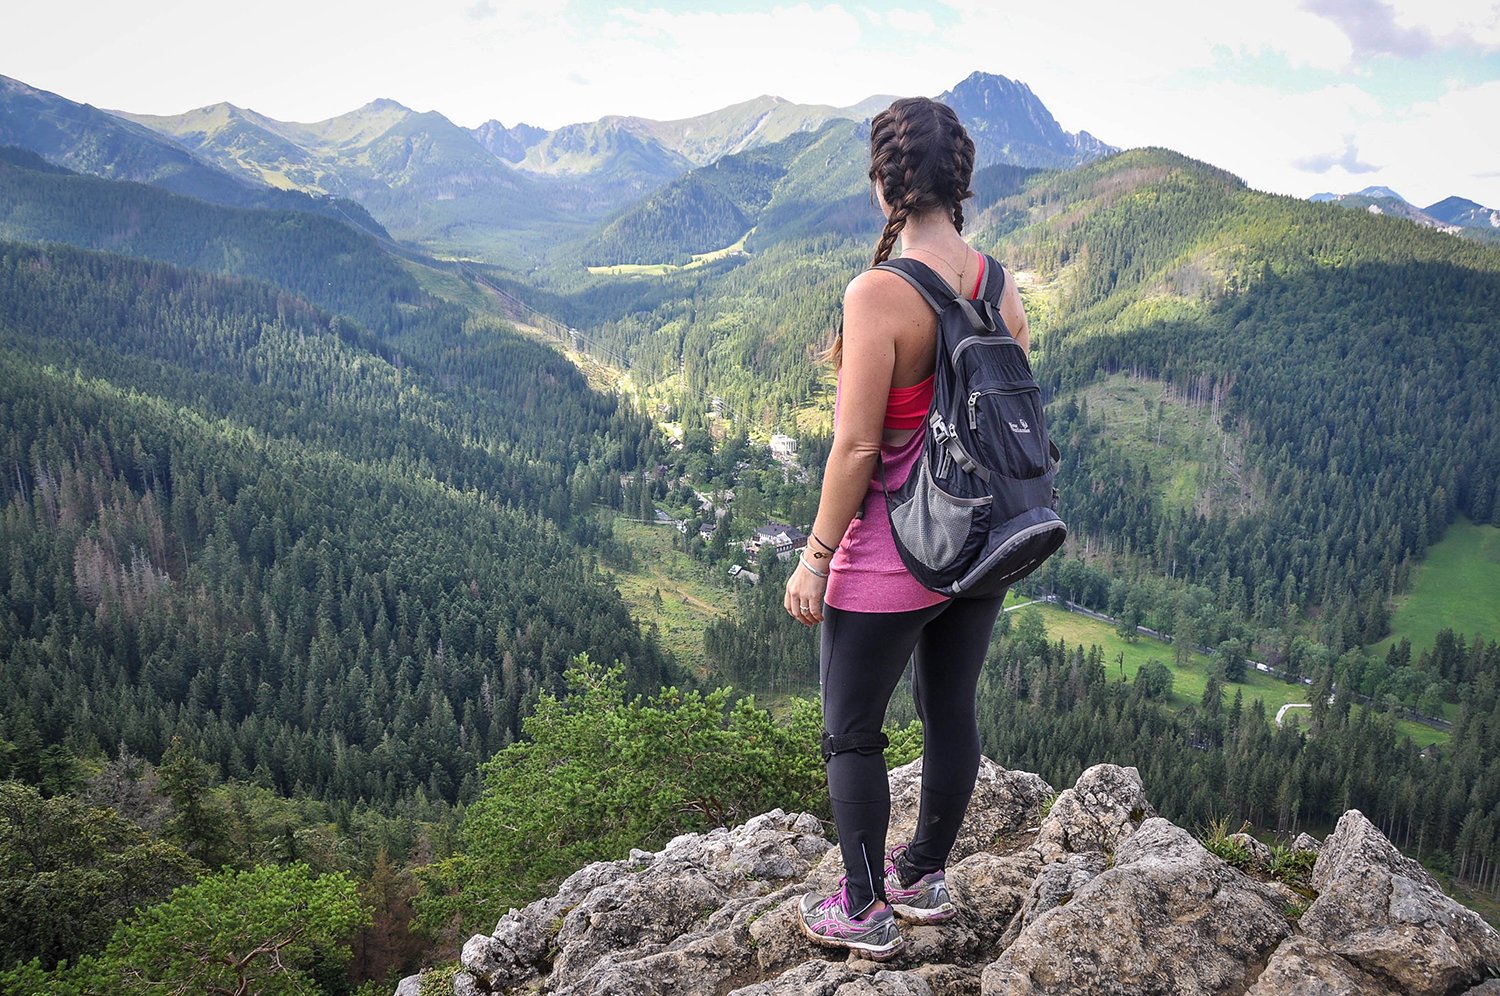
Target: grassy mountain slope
column 86, row 140
column 1353, row 355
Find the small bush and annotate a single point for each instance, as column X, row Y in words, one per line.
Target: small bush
column 1216, row 839
column 1292, row 867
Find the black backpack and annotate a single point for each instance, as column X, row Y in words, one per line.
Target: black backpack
column 978, row 511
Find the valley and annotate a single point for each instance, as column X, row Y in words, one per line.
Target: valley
column 354, row 477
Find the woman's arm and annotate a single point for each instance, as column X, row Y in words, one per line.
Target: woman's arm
column 877, row 313
column 1013, row 312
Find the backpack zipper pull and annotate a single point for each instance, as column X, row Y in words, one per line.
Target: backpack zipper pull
column 973, row 421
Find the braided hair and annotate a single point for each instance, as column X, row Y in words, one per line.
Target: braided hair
column 921, row 160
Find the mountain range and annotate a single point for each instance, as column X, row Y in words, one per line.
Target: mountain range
column 85, row 139
column 492, row 190
column 373, row 533
column 1455, row 215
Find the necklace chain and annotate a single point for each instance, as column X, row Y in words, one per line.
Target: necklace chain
column 958, row 274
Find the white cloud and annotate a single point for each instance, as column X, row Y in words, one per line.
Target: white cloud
column 1348, row 161
column 910, row 22
column 1456, row 138
column 1453, row 22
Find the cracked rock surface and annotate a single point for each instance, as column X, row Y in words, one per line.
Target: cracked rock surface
column 1384, row 913
column 1099, row 896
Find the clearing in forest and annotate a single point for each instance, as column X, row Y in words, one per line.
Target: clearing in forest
column 1457, row 587
column 1195, row 464
column 668, row 587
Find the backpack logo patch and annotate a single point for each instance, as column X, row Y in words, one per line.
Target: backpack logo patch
column 1021, row 428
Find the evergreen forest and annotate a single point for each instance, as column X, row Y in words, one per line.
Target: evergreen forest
column 310, row 598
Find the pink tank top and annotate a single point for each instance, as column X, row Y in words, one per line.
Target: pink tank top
column 866, row 573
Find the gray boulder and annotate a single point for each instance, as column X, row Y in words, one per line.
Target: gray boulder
column 856, row 978
column 673, row 923
column 1005, row 803
column 1303, row 966
column 1385, row 914
column 1306, row 842
column 1260, row 853
column 1105, row 807
column 1054, row 885
column 1167, row 918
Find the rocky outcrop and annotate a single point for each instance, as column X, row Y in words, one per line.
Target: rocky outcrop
column 1384, row 913
column 1167, row 916
column 1100, row 895
column 1104, row 808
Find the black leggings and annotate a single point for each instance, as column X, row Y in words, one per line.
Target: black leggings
column 863, row 657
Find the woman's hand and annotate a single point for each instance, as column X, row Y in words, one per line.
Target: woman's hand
column 804, row 595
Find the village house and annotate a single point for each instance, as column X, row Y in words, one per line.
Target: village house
column 780, row 536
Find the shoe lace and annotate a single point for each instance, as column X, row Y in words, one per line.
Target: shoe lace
column 840, row 898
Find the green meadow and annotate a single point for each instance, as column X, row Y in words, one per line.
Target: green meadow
column 1190, row 681
column 668, row 587
column 1457, row 587
column 662, row 269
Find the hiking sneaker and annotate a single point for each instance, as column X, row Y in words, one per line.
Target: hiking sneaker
column 826, row 921
column 924, row 901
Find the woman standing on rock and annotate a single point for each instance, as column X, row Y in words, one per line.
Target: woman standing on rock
column 875, row 615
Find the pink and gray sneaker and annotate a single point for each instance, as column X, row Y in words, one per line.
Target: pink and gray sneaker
column 827, row 920
column 923, row 899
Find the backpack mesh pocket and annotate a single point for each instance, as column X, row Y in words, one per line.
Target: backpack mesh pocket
column 936, row 529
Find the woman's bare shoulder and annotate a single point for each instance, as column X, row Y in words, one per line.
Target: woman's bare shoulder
column 879, row 290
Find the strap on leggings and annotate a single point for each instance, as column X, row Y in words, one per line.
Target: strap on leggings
column 864, row 743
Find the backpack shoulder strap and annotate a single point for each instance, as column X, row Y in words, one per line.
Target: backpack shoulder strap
column 938, row 295
column 994, row 281
column 933, row 288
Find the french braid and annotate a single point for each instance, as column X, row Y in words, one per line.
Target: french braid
column 921, row 160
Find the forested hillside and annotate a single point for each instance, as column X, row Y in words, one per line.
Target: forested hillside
column 1354, row 355
column 290, row 547
column 226, row 523
column 322, row 259
column 707, row 209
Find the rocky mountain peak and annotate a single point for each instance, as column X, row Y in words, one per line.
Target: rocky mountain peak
column 384, row 104
column 1096, row 895
column 1010, row 124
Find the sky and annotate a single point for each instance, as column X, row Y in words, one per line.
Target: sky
column 1294, row 96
